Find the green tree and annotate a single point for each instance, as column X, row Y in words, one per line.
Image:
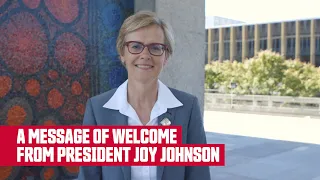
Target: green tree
column 268, row 73
column 301, row 79
column 265, row 72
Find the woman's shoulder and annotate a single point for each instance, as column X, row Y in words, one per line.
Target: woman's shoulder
column 183, row 96
column 102, row 98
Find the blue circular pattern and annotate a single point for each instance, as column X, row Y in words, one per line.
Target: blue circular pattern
column 112, row 17
column 5, row 5
column 127, row 4
column 117, row 75
column 110, row 48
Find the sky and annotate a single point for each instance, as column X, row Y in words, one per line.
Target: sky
column 260, row 11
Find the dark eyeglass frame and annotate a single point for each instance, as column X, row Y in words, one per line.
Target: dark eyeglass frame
column 165, row 47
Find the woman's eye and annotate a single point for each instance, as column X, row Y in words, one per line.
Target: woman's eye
column 135, row 46
column 157, row 48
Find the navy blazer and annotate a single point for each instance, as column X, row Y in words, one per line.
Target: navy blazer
column 188, row 116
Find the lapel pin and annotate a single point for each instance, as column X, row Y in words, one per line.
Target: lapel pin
column 165, row 122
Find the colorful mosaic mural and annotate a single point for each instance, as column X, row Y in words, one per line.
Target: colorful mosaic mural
column 54, row 55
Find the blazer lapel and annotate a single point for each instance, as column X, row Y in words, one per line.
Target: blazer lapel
column 126, row 172
column 121, row 120
column 170, row 115
column 115, row 118
column 118, row 119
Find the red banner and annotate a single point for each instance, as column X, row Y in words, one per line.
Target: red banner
column 104, row 146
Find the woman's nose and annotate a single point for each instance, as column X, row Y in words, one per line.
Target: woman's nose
column 145, row 51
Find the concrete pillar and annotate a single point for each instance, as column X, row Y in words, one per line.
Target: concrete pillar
column 244, row 42
column 209, row 45
column 269, row 41
column 185, row 69
column 283, row 39
column 312, row 42
column 297, row 53
column 221, row 44
column 144, row 5
column 232, row 44
column 256, row 39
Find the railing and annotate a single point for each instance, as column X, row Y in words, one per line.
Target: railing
column 261, row 103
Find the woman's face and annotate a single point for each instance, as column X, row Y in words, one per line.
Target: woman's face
column 144, row 66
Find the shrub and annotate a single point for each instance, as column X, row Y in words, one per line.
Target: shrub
column 300, row 79
column 268, row 73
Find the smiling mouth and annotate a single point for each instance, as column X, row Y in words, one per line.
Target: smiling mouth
column 145, row 67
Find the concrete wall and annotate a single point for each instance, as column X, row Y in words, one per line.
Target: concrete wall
column 185, row 70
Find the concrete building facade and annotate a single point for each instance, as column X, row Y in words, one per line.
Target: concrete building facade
column 298, row 39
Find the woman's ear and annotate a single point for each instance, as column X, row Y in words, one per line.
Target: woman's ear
column 165, row 61
column 122, row 61
column 166, row 58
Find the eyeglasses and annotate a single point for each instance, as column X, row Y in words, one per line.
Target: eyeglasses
column 156, row 49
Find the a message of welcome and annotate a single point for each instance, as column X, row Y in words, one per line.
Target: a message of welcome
column 106, row 145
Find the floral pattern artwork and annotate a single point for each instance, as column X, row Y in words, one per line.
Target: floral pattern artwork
column 54, row 55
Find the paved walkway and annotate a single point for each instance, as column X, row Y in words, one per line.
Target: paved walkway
column 265, row 147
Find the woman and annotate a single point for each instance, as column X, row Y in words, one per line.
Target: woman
column 144, row 44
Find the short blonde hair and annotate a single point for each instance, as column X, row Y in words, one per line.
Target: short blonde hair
column 140, row 20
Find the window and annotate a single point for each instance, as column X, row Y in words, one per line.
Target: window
column 318, row 26
column 215, row 51
column 238, row 46
column 250, row 49
column 276, row 45
column 250, row 32
column 263, row 44
column 291, row 46
column 226, row 50
column 290, row 28
column 227, row 33
column 276, row 29
column 305, row 27
column 305, row 46
column 263, row 30
column 317, row 61
column 216, row 34
column 239, row 33
column 318, row 45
